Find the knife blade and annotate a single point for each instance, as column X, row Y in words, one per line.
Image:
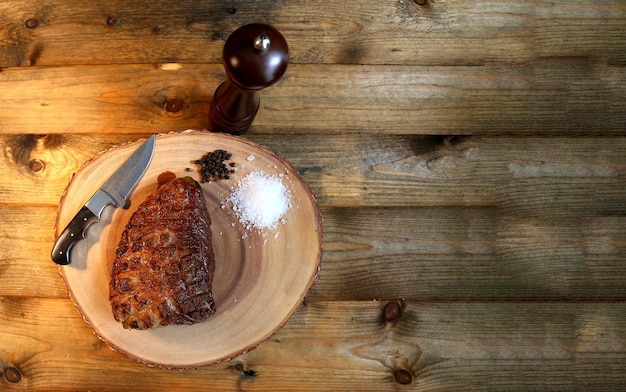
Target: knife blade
column 115, row 191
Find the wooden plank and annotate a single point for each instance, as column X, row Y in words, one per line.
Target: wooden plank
column 554, row 96
column 469, row 158
column 50, row 160
column 93, row 99
column 453, row 32
column 469, row 254
column 547, row 96
column 521, row 176
column 440, row 345
column 390, row 253
column 26, row 237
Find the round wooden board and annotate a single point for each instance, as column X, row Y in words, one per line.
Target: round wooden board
column 261, row 277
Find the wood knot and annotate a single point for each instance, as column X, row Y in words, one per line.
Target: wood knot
column 171, row 99
column 244, row 372
column 391, row 311
column 159, row 30
column 21, row 148
column 420, row 2
column 31, row 23
column 112, row 21
column 174, row 105
column 12, row 375
column 36, row 165
column 219, row 36
column 403, row 376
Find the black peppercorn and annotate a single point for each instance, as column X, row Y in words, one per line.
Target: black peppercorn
column 213, row 167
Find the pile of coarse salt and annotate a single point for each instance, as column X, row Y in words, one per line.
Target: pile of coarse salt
column 260, row 200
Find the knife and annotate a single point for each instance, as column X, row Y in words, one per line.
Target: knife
column 114, row 191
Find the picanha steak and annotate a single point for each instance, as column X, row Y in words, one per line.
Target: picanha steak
column 164, row 262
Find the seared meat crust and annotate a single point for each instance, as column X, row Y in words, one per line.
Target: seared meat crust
column 164, row 262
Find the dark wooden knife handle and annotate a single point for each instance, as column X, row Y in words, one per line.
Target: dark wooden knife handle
column 74, row 232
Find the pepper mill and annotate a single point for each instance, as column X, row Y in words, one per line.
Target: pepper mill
column 255, row 56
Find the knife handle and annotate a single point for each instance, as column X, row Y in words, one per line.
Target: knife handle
column 74, row 232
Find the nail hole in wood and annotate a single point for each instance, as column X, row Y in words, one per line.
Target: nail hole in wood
column 35, row 165
column 12, row 375
column 403, row 376
column 174, row 105
column 391, row 311
column 31, row 23
column 112, row 21
column 244, row 372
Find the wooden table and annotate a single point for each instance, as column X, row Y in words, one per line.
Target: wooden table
column 469, row 158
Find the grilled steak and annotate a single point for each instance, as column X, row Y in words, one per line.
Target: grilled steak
column 164, row 262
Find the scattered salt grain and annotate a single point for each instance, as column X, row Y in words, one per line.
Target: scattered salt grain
column 260, row 200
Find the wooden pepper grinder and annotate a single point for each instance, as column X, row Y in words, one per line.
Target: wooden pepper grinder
column 255, row 56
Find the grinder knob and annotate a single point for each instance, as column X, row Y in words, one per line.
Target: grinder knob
column 255, row 56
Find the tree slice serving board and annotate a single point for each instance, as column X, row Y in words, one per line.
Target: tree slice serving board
column 261, row 277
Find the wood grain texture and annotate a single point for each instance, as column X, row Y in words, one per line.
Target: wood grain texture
column 349, row 346
column 469, row 158
column 521, row 176
column 412, row 253
column 25, row 246
column 459, row 32
column 575, row 96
